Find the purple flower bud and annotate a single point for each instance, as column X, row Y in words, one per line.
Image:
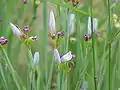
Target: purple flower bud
column 23, row 36
column 26, row 29
column 60, row 34
column 25, row 1
column 3, row 40
column 87, row 37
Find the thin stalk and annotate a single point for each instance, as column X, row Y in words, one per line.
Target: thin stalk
column 93, row 48
column 12, row 71
column 109, row 30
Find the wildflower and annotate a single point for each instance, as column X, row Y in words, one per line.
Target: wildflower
column 66, row 57
column 36, row 59
column 3, row 40
column 52, row 22
column 71, row 23
column 95, row 25
column 15, row 30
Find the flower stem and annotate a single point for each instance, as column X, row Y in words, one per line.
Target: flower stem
column 109, row 32
column 93, row 48
column 12, row 71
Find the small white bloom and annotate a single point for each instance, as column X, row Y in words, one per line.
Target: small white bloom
column 71, row 23
column 66, row 57
column 95, row 25
column 36, row 58
column 15, row 30
column 52, row 22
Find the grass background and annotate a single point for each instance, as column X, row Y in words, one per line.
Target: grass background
column 17, row 12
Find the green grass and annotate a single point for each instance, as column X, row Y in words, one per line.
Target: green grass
column 96, row 63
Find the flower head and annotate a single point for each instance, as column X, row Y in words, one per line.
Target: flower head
column 36, row 58
column 3, row 40
column 52, row 22
column 66, row 57
column 15, row 30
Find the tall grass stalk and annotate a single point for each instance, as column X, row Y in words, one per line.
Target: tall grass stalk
column 93, row 47
column 109, row 35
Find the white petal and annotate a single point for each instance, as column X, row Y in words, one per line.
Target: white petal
column 66, row 57
column 52, row 22
column 57, row 56
column 15, row 30
column 71, row 23
column 36, row 58
column 95, row 25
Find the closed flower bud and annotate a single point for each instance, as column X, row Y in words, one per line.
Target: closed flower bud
column 52, row 22
column 3, row 40
column 71, row 23
column 15, row 30
column 25, row 1
column 36, row 59
column 26, row 29
column 95, row 25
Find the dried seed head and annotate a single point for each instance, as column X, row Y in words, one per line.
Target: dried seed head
column 26, row 29
column 87, row 37
column 3, row 40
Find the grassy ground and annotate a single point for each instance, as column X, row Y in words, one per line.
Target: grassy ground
column 96, row 62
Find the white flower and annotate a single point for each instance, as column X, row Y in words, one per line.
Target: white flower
column 36, row 58
column 15, row 30
column 71, row 23
column 52, row 22
column 66, row 57
column 95, row 25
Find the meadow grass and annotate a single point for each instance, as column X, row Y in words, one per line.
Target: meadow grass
column 94, row 64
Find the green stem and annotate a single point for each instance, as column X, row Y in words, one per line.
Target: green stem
column 109, row 32
column 12, row 71
column 93, row 48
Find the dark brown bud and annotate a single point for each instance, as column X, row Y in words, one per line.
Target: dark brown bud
column 60, row 34
column 87, row 37
column 34, row 38
column 3, row 40
column 53, row 36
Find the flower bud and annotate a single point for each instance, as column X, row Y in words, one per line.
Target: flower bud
column 3, row 40
column 52, row 22
column 87, row 37
column 25, row 1
column 15, row 30
column 26, row 29
column 71, row 23
column 36, row 58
